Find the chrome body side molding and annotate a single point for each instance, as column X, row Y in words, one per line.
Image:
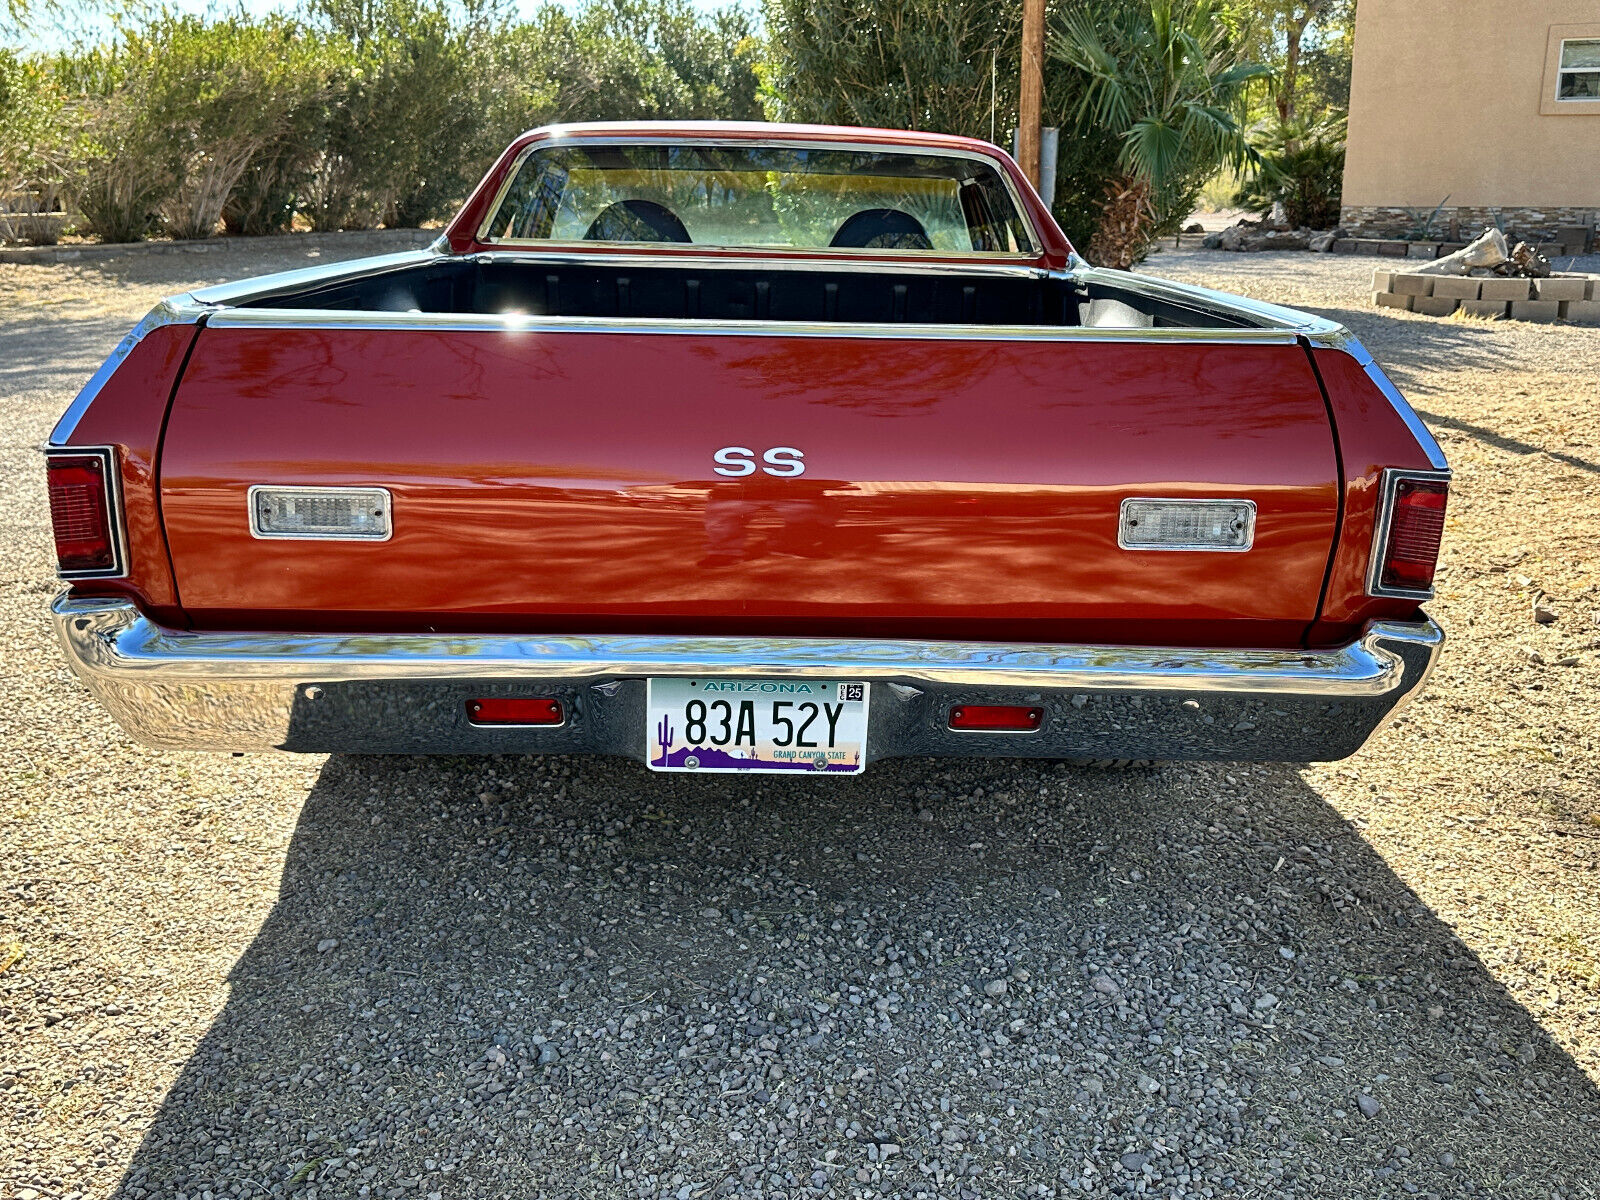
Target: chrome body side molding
column 407, row 693
column 175, row 310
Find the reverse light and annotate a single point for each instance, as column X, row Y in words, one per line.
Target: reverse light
column 352, row 514
column 1159, row 524
column 1409, row 531
column 996, row 718
column 84, row 512
column 515, row 710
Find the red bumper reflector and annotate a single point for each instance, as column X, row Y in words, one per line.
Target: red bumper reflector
column 1415, row 531
column 80, row 512
column 514, row 710
column 996, row 718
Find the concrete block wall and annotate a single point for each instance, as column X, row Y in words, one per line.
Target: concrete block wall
column 1573, row 298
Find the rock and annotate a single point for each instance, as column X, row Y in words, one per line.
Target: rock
column 1543, row 611
column 549, row 1055
column 1447, row 1160
column 995, row 987
column 1322, row 243
column 1212, row 241
column 1265, row 1001
column 1195, row 227
column 1149, row 1085
column 1134, row 1162
column 1105, row 985
column 1569, row 660
column 1533, row 656
column 1368, row 1105
column 326, row 944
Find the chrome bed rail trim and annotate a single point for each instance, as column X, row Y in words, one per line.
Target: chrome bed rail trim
column 264, row 287
column 255, row 690
column 516, row 323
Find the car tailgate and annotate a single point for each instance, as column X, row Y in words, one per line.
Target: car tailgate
column 564, row 480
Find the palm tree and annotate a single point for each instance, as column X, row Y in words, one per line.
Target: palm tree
column 1166, row 78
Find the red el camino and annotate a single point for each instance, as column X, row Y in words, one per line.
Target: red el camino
column 745, row 448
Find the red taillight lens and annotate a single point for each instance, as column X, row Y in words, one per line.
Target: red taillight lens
column 514, row 710
column 996, row 718
column 80, row 512
column 1416, row 527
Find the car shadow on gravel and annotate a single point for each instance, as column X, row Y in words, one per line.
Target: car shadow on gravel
column 524, row 976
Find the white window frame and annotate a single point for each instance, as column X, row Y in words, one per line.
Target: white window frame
column 1562, row 71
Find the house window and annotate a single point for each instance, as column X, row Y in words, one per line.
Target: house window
column 1578, row 77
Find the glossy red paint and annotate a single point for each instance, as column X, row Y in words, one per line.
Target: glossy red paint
column 563, row 481
column 128, row 415
column 462, row 233
column 1372, row 436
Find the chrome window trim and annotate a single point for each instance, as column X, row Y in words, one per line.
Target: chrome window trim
column 1388, row 487
column 174, row 310
column 1207, row 501
column 526, row 253
column 558, row 138
column 115, row 520
column 264, row 536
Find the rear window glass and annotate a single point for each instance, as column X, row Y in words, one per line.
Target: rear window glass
column 761, row 196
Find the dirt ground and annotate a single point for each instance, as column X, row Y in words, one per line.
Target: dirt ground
column 514, row 977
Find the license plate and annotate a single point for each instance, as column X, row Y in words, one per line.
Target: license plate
column 728, row 725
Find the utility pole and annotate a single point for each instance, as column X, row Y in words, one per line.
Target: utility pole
column 1030, row 103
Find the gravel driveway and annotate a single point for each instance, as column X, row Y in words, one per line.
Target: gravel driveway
column 443, row 978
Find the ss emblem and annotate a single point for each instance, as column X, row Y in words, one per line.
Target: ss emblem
column 782, row 461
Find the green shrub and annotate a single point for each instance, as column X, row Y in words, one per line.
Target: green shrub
column 942, row 65
column 1301, row 167
column 31, row 104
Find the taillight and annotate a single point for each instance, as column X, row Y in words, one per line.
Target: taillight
column 1410, row 528
column 83, row 513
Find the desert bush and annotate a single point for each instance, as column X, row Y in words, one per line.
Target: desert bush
column 226, row 90
column 120, row 164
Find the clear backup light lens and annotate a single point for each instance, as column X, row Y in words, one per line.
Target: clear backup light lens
column 349, row 514
column 1416, row 529
column 1187, row 525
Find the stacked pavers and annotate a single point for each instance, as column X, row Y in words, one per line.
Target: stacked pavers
column 1574, row 298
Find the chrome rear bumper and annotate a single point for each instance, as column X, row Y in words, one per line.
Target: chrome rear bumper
column 407, row 693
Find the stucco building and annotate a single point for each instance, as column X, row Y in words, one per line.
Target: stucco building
column 1492, row 104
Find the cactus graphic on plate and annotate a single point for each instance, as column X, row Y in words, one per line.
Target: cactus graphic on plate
column 664, row 736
